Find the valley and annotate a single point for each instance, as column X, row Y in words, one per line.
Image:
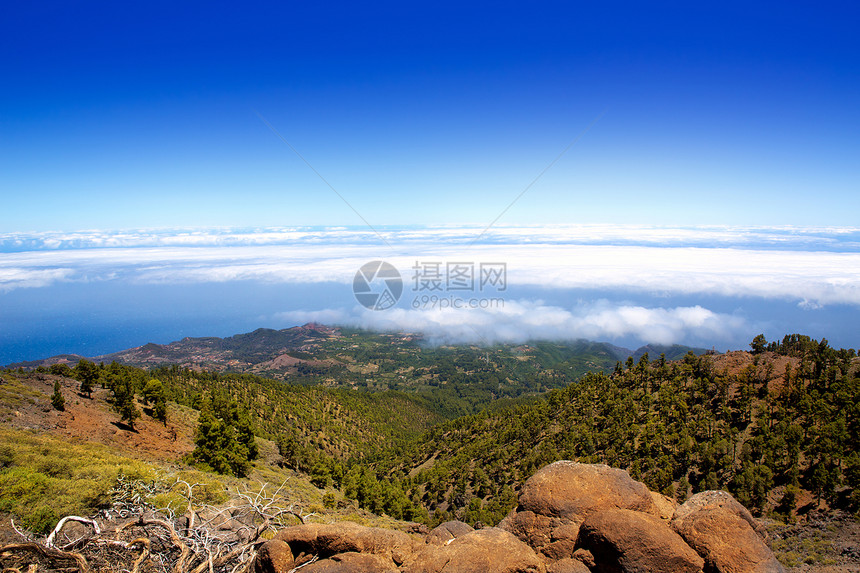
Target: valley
column 379, row 425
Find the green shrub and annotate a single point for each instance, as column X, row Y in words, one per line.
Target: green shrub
column 205, row 491
column 44, row 478
column 7, row 456
column 329, row 500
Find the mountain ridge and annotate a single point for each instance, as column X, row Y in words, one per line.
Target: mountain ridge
column 279, row 351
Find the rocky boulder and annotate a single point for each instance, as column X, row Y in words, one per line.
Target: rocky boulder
column 728, row 542
column 665, row 505
column 573, row 491
column 479, row 551
column 445, row 532
column 571, row 518
column 274, row 556
column 581, row 562
column 350, row 563
column 632, row 542
column 567, row 565
column 559, row 497
column 325, row 541
column 718, row 499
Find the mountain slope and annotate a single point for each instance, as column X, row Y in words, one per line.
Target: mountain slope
column 457, row 380
column 776, row 437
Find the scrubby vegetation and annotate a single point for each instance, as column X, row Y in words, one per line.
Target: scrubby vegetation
column 773, row 427
column 680, row 427
column 44, row 477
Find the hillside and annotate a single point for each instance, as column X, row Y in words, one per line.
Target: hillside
column 454, row 380
column 68, row 462
column 779, row 429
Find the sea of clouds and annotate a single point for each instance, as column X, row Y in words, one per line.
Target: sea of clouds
column 668, row 275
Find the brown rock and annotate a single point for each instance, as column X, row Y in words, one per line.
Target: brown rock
column 559, row 549
column 567, row 565
column 351, row 563
column 479, row 551
column 535, row 530
column 726, row 541
column 574, row 491
column 274, row 556
column 665, row 505
column 712, row 499
column 563, row 541
column 562, row 495
column 585, row 556
column 326, row 540
column 628, row 541
column 447, row 531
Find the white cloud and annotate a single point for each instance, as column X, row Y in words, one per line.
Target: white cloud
column 787, row 237
column 810, row 268
column 522, row 320
column 647, row 260
column 16, row 277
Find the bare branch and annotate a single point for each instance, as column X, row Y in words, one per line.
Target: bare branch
column 143, row 554
column 48, row 552
column 25, row 534
column 221, row 540
column 49, row 542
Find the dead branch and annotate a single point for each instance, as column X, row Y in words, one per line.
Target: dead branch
column 47, row 552
column 189, row 511
column 220, row 560
column 32, row 568
column 297, row 567
column 224, row 540
column 143, row 554
column 49, row 542
column 25, row 534
column 184, row 550
column 244, row 566
column 264, row 505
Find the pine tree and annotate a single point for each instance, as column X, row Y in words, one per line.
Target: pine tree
column 153, row 393
column 224, row 440
column 57, row 400
column 159, row 411
column 244, row 433
column 758, row 344
column 88, row 373
column 289, row 449
column 210, row 440
column 683, row 489
column 123, row 400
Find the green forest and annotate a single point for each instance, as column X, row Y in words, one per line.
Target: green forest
column 680, row 427
column 787, row 421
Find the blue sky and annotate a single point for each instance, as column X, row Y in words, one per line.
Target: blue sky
column 136, row 126
column 143, row 115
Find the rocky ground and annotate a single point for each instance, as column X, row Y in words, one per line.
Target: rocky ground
column 91, row 419
column 571, row 518
column 821, row 541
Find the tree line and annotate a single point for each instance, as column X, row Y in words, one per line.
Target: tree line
column 681, row 427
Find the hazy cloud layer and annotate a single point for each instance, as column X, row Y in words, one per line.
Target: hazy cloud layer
column 520, row 321
column 784, row 238
column 809, row 278
column 808, row 268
